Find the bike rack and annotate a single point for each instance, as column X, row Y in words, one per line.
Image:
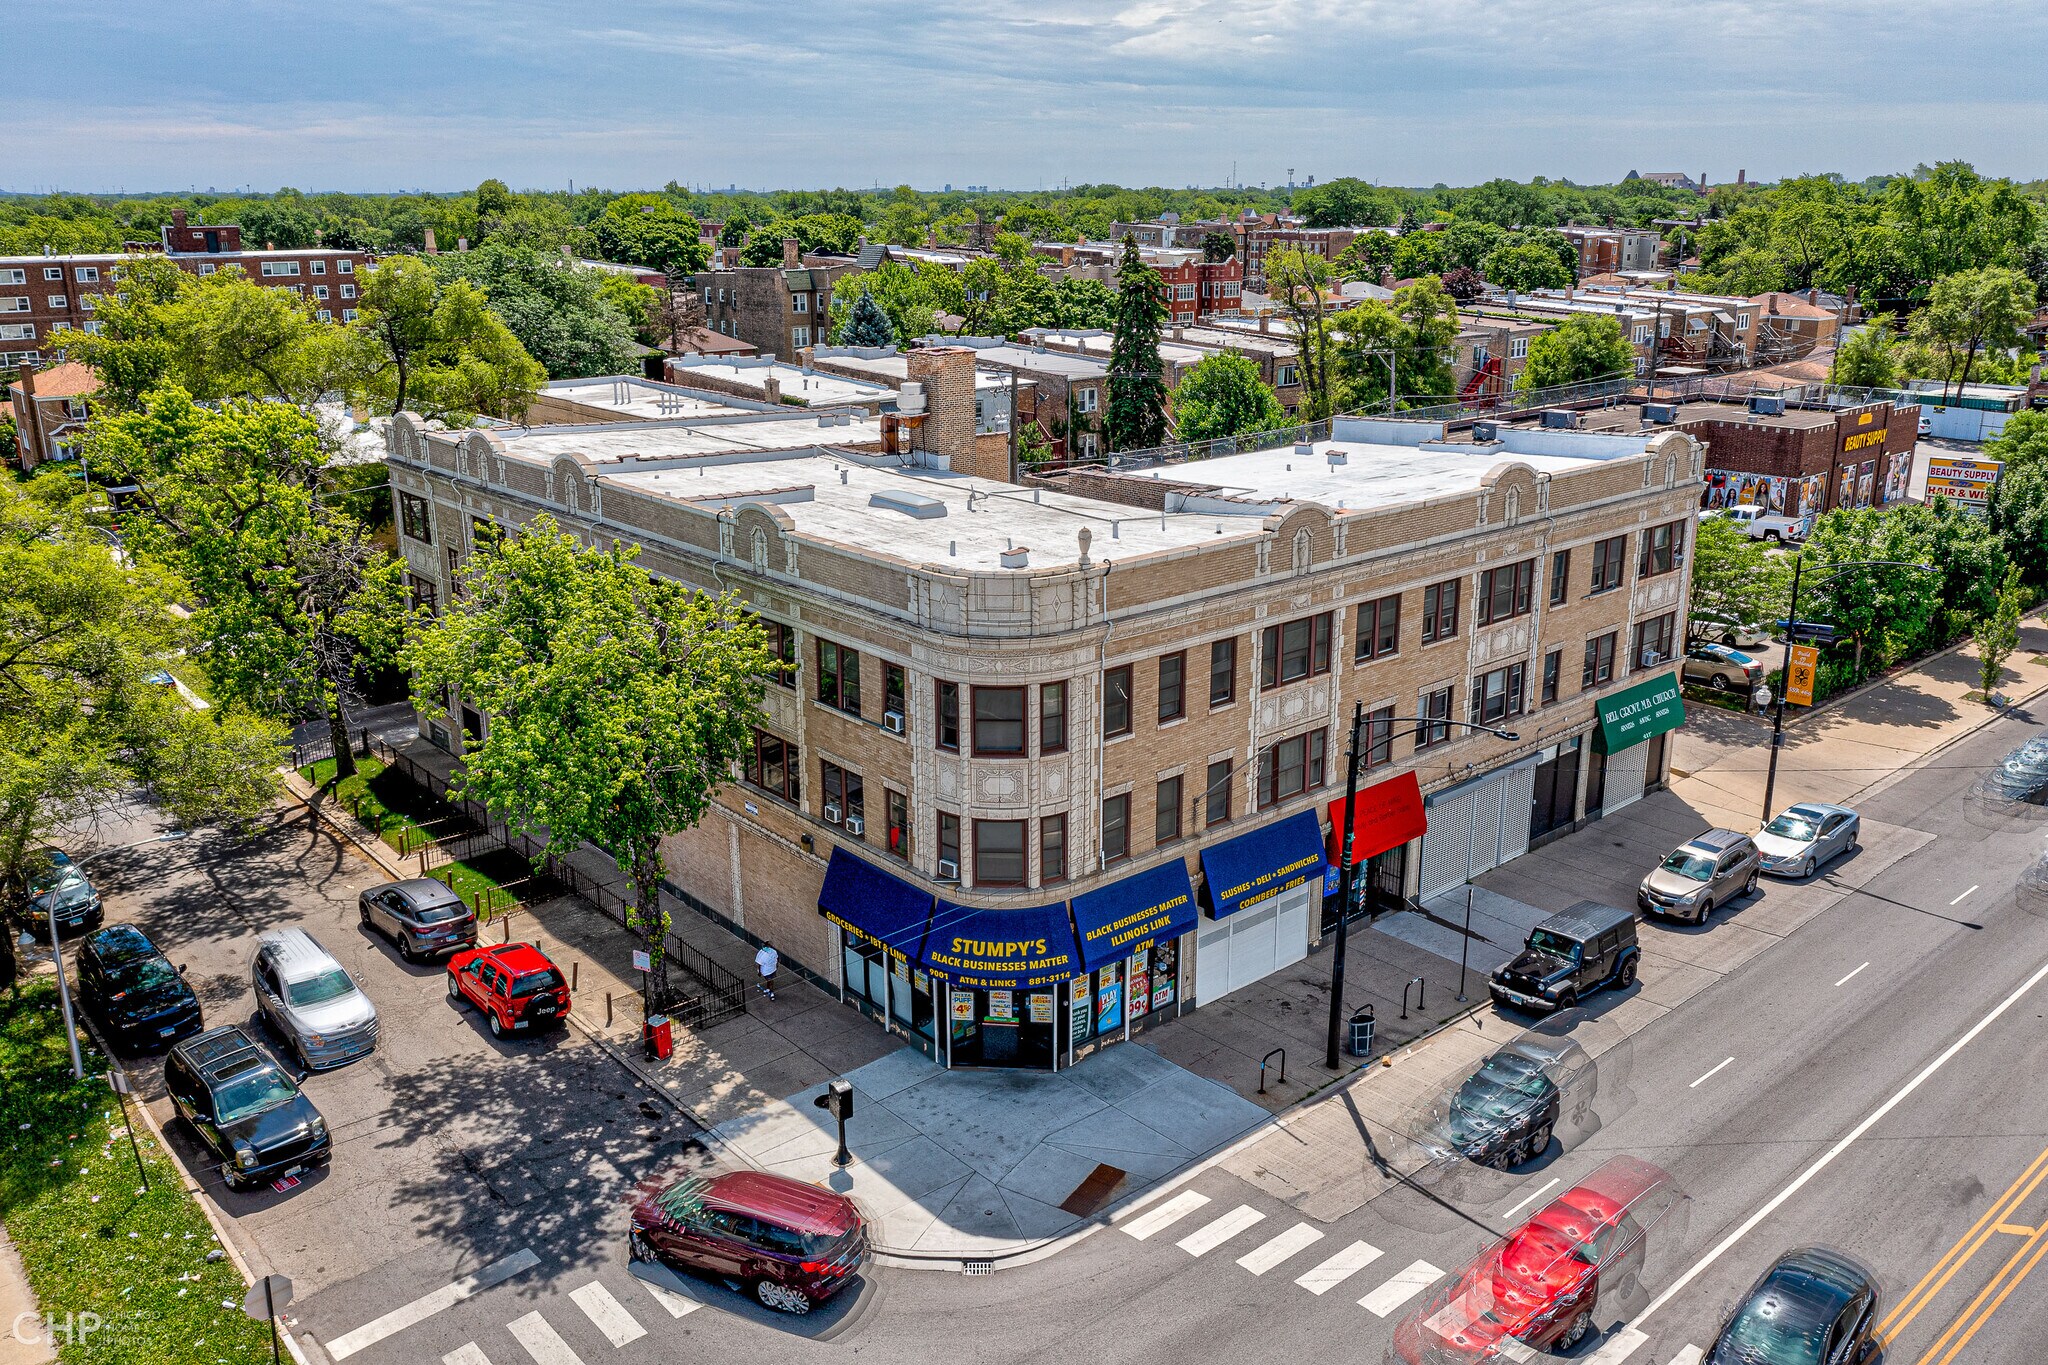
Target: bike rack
column 1421, row 1002
column 1279, row 1052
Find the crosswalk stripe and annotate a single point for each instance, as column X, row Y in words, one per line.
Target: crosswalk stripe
column 424, row 1307
column 1403, row 1286
column 1264, row 1257
column 541, row 1341
column 1339, row 1268
column 469, row 1353
column 677, row 1304
column 1620, row 1347
column 1207, row 1238
column 607, row 1314
column 1689, row 1356
column 1167, row 1214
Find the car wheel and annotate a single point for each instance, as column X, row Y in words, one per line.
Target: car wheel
column 364, row 911
column 1538, row 1143
column 1581, row 1328
column 497, row 1025
column 1568, row 1001
column 455, row 992
column 1628, row 975
column 1806, row 868
column 638, row 1248
column 407, row 949
column 1749, row 886
column 1706, row 911
column 1719, row 682
column 781, row 1297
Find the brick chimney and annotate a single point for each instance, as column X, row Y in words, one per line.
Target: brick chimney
column 433, row 247
column 771, row 388
column 947, row 373
column 178, row 219
column 789, row 253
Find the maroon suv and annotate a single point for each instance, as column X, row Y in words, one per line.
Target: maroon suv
column 794, row 1245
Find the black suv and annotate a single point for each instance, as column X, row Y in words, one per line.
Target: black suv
column 244, row 1108
column 1568, row 957
column 133, row 990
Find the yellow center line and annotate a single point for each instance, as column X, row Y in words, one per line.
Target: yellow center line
column 1938, row 1276
column 2038, row 1245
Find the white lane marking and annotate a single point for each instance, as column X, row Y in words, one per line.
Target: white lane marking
column 607, row 1314
column 1528, row 1199
column 1172, row 1211
column 1695, row 1084
column 1271, row 1253
column 469, row 1353
column 1845, row 980
column 424, row 1307
column 1618, row 1347
column 1404, row 1285
column 1339, row 1268
column 678, row 1305
column 1959, row 899
column 1689, row 1356
column 1207, row 1238
column 1842, row 1144
column 541, row 1341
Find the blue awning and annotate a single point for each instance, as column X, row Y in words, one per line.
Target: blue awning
column 1001, row 949
column 1119, row 919
column 873, row 904
column 1253, row 868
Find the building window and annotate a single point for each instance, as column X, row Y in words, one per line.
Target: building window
column 1296, row 650
column 1599, row 661
column 1440, row 611
column 844, row 794
column 1166, row 810
column 1518, row 348
column 318, row 267
column 949, row 844
column 948, row 736
column 1379, row 737
column 1379, row 629
column 839, row 677
column 423, row 595
column 801, row 302
column 20, row 304
column 999, row 852
column 1052, row 849
column 414, row 517
column 1642, row 334
column 1742, row 322
column 897, row 837
column 1553, row 664
column 345, row 267
column 1085, row 400
column 1284, row 377
column 1661, row 549
column 50, row 272
column 56, row 301
column 1223, row 672
column 1560, row 576
column 895, row 691
column 1436, row 706
column 1292, row 767
column 998, row 720
column 1116, row 702
column 1504, row 593
column 1116, row 828
column 1052, row 717
column 1173, row 701
column 773, row 765
column 88, row 274
column 326, row 315
column 799, row 337
column 1653, row 641
column 1607, row 561
column 275, row 268
column 1216, row 795
column 348, row 315
column 1498, row 695
column 319, row 291
column 782, row 644
column 348, row 291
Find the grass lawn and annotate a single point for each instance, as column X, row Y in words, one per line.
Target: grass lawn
column 91, row 1241
column 402, row 806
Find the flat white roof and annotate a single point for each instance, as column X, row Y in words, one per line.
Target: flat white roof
column 819, row 390
column 1100, row 343
column 642, row 398
column 754, row 433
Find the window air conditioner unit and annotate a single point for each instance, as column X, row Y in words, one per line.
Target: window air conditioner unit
column 949, row 870
column 892, row 721
column 856, row 826
column 831, row 813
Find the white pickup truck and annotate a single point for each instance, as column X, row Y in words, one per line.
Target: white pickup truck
column 1763, row 524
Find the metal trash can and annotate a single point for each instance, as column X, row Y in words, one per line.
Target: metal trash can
column 659, row 1033
column 1361, row 1033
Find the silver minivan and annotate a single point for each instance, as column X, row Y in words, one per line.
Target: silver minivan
column 309, row 999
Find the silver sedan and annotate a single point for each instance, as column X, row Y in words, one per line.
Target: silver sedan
column 1806, row 837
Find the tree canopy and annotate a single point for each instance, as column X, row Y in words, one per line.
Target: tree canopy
column 1134, row 418
column 650, row 229
column 425, row 344
column 1735, row 581
column 1223, row 395
column 1580, row 349
column 557, row 310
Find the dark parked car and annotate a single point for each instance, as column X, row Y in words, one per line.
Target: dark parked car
column 1701, row 873
column 1568, row 957
column 49, row 878
column 2022, row 775
column 793, row 1245
column 247, row 1112
column 139, row 998
column 425, row 918
column 1814, row 1307
column 1503, row 1113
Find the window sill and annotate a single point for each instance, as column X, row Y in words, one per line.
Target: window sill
column 1442, row 640
column 1171, row 721
column 1380, row 658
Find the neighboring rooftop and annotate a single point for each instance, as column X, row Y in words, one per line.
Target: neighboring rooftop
column 1096, row 342
column 657, row 442
column 634, row 396
column 999, row 351
column 793, row 384
column 67, row 380
column 889, row 366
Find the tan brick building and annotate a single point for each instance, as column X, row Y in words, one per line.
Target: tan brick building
column 1054, row 760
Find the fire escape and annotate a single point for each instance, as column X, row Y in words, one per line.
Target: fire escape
column 1486, row 384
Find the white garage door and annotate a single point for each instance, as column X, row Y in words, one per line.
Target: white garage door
column 1479, row 828
column 1625, row 773
column 1253, row 944
column 1445, row 846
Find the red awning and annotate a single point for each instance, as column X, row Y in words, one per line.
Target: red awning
column 1387, row 814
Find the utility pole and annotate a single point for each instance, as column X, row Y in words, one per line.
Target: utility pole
column 1332, row 1053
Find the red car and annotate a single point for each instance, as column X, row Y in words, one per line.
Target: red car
column 793, row 1245
column 514, row 984
column 1542, row 1283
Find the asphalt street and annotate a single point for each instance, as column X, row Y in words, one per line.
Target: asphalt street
column 1864, row 1084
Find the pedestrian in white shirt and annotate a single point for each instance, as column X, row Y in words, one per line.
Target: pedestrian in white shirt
column 766, row 962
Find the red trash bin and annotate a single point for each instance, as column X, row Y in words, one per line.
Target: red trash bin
column 659, row 1032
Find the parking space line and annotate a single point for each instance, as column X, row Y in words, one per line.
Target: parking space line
column 424, row 1307
column 1403, row 1286
column 541, row 1341
column 607, row 1314
column 1696, row 1084
column 1271, row 1253
column 1959, row 899
column 1845, row 980
column 1339, row 1268
column 1167, row 1214
column 1528, row 1199
column 1215, row 1233
column 678, row 1305
column 469, row 1353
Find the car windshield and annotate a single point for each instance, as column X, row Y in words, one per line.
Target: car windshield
column 1481, row 1098
column 71, row 888
column 1685, row 863
column 252, row 1093
column 1544, row 941
column 150, row 974
column 1515, row 1073
column 331, row 984
column 438, row 914
column 1763, row 1334
column 1793, row 825
column 533, row 983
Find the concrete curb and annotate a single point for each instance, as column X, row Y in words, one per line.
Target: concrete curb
column 346, row 826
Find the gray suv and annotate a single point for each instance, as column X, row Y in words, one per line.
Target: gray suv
column 425, row 918
column 311, row 1001
column 1700, row 874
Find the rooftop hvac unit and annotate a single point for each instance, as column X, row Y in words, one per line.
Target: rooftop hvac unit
column 1337, row 457
column 1766, row 405
column 1663, row 413
column 1302, row 450
column 1560, row 419
column 1486, row 431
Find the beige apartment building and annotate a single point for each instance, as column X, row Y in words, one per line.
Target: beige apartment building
column 1057, row 761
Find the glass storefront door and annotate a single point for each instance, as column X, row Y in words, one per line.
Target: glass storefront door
column 1556, row 788
column 1003, row 1027
column 886, row 986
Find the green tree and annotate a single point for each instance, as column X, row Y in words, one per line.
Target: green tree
column 1969, row 313
column 1865, row 358
column 649, row 229
column 556, row 309
column 1415, row 331
column 293, row 600
column 619, row 702
column 1525, row 266
column 1346, row 202
column 1218, row 246
column 2018, row 516
column 430, row 346
column 1734, row 581
column 1299, row 282
column 867, row 324
column 1965, row 553
column 911, row 296
column 1134, row 418
column 1224, row 396
column 1369, row 256
column 2023, row 444
column 1879, row 609
column 1999, row 635
column 1576, row 351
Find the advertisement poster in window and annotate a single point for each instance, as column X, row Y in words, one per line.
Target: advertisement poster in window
column 1141, row 984
column 1165, row 968
column 1083, row 1011
column 963, row 1007
column 1109, row 1000
column 900, row 965
column 1000, row 1008
column 1041, row 1007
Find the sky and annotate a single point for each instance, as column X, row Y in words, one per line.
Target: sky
column 1018, row 94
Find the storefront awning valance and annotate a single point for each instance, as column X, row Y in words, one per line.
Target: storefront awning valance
column 1119, row 919
column 861, row 897
column 1001, row 948
column 1253, row 868
column 1638, row 712
column 1387, row 815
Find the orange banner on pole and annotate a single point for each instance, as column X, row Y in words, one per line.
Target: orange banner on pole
column 1799, row 682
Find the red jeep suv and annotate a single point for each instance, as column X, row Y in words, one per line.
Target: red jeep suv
column 514, row 984
column 793, row 1245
